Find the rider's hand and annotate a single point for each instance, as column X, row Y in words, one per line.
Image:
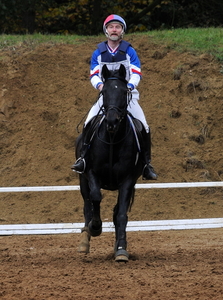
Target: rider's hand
column 100, row 87
column 130, row 86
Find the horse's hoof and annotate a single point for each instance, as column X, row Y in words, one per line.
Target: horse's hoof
column 93, row 231
column 121, row 255
column 84, row 248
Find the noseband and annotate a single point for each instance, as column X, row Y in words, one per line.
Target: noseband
column 120, row 112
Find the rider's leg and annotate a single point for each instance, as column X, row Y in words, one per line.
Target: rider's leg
column 135, row 109
column 80, row 164
column 148, row 171
column 94, row 110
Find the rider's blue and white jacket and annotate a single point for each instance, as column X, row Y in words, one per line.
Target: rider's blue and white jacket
column 125, row 54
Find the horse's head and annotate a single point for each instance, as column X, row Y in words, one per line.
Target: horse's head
column 114, row 96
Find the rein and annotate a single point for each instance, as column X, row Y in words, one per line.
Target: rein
column 82, row 120
column 123, row 112
column 112, row 142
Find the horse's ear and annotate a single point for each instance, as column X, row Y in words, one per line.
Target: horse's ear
column 105, row 72
column 122, row 71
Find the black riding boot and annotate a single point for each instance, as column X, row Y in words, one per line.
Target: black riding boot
column 80, row 164
column 148, row 171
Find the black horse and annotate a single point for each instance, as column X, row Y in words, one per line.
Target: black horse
column 113, row 162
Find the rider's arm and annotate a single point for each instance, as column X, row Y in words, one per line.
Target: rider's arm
column 95, row 78
column 135, row 67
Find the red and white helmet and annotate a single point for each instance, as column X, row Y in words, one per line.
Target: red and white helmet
column 114, row 18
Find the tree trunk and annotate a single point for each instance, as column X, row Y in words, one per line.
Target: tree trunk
column 28, row 15
column 95, row 15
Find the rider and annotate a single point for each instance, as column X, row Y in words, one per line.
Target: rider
column 113, row 52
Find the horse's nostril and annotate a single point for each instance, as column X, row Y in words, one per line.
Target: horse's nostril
column 110, row 128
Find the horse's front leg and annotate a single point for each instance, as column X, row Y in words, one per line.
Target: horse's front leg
column 120, row 219
column 84, row 245
column 95, row 225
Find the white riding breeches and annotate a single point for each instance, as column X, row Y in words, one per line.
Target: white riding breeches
column 134, row 108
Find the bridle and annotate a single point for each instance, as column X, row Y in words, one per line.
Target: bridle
column 121, row 112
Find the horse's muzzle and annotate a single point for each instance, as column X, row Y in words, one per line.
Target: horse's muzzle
column 112, row 120
column 112, row 128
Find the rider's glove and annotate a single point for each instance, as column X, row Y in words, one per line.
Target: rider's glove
column 130, row 86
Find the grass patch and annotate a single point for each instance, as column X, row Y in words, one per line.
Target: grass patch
column 7, row 41
column 200, row 40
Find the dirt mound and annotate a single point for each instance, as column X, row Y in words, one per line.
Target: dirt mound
column 44, row 94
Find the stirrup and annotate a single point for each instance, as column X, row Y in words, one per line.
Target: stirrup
column 150, row 171
column 78, row 160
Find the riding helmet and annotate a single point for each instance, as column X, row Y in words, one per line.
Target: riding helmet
column 113, row 18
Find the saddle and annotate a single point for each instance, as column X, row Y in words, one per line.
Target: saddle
column 138, row 130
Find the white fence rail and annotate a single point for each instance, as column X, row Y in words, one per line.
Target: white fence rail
column 138, row 186
column 61, row 228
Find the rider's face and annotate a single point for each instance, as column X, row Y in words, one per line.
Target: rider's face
column 114, row 31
